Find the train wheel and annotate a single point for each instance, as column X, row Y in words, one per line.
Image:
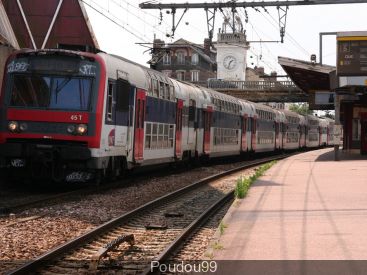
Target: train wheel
column 99, row 177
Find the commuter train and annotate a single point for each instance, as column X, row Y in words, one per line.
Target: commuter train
column 70, row 115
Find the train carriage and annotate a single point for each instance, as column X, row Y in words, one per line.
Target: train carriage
column 280, row 121
column 323, row 132
column 226, row 125
column 312, row 131
column 330, row 131
column 248, row 138
column 303, row 130
column 77, row 116
column 292, row 130
column 265, row 128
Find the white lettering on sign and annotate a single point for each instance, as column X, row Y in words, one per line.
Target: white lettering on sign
column 17, row 163
column 349, row 56
column 17, row 67
column 87, row 69
column 78, row 176
column 76, row 117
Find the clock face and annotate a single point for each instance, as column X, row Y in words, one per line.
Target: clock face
column 229, row 62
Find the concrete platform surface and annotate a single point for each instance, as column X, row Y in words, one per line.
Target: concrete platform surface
column 307, row 207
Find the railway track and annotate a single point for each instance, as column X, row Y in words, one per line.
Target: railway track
column 151, row 232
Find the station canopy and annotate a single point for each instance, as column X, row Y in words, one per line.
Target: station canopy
column 307, row 76
column 45, row 24
column 7, row 36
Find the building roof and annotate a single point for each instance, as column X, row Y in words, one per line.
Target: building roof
column 40, row 23
column 307, row 76
column 7, row 35
column 196, row 47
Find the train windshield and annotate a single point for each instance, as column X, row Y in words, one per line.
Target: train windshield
column 51, row 92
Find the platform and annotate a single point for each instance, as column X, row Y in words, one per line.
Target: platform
column 306, row 207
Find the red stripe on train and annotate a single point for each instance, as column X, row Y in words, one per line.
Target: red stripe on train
column 48, row 116
column 88, row 139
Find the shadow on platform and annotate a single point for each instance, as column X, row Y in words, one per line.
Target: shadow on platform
column 344, row 155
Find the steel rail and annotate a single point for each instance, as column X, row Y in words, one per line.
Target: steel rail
column 204, row 217
column 40, row 261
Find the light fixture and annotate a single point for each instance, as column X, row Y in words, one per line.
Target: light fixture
column 13, row 126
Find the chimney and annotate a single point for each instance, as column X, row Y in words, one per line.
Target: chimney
column 207, row 46
column 157, row 44
column 260, row 71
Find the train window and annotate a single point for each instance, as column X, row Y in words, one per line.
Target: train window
column 161, row 89
column 155, row 87
column 122, row 95
column 148, row 135
column 172, row 93
column 165, row 137
column 170, row 136
column 167, row 91
column 192, row 104
column 150, row 88
column 109, row 101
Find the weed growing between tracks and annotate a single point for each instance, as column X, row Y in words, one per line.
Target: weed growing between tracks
column 243, row 184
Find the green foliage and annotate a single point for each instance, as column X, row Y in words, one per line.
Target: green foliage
column 243, row 184
column 217, row 246
column 222, row 226
column 300, row 108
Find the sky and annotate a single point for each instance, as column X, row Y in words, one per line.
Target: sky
column 120, row 24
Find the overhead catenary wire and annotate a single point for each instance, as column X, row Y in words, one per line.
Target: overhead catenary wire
column 287, row 34
column 112, row 20
column 137, row 16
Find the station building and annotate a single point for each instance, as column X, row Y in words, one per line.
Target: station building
column 342, row 88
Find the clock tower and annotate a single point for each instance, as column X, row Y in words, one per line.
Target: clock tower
column 231, row 56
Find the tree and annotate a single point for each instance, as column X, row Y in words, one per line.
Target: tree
column 329, row 114
column 300, row 108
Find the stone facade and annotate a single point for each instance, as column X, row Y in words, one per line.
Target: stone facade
column 184, row 60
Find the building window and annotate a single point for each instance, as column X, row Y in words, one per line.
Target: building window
column 167, row 59
column 180, row 58
column 180, row 75
column 194, row 76
column 195, row 59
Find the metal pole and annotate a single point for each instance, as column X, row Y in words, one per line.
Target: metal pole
column 337, row 127
column 320, row 48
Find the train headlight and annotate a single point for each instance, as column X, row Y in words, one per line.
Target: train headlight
column 71, row 129
column 13, row 126
column 81, row 129
column 23, row 126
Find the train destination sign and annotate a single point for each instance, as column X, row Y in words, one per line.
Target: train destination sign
column 352, row 56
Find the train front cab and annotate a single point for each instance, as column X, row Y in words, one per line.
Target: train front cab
column 51, row 105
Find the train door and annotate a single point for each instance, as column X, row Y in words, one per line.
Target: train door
column 300, row 136
column 253, row 134
column 139, row 125
column 124, row 98
column 320, row 135
column 276, row 135
column 244, row 134
column 363, row 133
column 284, row 134
column 208, row 113
column 178, row 143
